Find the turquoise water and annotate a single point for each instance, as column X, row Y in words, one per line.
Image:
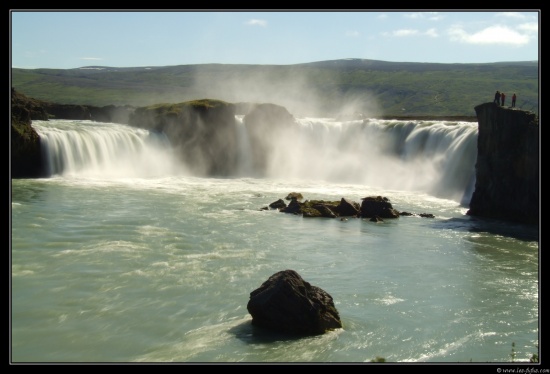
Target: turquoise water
column 160, row 268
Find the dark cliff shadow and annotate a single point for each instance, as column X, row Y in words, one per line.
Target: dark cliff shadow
column 519, row 231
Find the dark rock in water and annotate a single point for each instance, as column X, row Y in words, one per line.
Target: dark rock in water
column 279, row 204
column 323, row 210
column 310, row 212
column 377, row 206
column 286, row 303
column 294, row 195
column 294, row 207
column 423, row 215
column 348, row 208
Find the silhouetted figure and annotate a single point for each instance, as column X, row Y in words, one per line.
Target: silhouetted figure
column 514, row 100
column 502, row 97
column 497, row 98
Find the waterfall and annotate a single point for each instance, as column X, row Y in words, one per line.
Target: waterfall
column 433, row 157
column 244, row 158
column 104, row 149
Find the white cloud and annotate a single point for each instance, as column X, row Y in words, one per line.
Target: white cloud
column 404, row 32
column 435, row 17
column 352, row 33
column 382, row 16
column 432, row 16
column 511, row 15
column 91, row 58
column 489, row 35
column 532, row 27
column 410, row 32
column 413, row 15
column 432, row 33
column 256, row 22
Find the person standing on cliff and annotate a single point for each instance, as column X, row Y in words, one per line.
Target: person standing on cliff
column 514, row 100
column 497, row 98
column 502, row 97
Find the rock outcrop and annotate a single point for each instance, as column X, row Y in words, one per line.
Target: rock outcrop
column 321, row 208
column 377, row 206
column 287, row 303
column 269, row 126
column 507, row 167
column 372, row 206
column 202, row 132
column 27, row 160
column 26, row 156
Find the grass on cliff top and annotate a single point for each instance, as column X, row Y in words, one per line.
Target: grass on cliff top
column 195, row 104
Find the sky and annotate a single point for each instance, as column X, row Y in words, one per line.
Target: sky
column 73, row 39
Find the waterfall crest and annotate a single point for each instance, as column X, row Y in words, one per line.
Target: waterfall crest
column 433, row 157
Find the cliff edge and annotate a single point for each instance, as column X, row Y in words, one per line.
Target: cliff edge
column 507, row 167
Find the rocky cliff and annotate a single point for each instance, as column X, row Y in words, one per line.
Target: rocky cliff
column 202, row 133
column 507, row 167
column 26, row 159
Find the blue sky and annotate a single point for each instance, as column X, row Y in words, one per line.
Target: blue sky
column 72, row 39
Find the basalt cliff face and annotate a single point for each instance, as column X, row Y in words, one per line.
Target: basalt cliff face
column 508, row 165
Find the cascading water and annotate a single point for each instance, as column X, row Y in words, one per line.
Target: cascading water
column 104, row 149
column 244, row 166
column 433, row 157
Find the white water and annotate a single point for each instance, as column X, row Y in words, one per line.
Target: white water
column 436, row 158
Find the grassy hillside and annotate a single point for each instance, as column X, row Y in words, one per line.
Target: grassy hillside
column 318, row 88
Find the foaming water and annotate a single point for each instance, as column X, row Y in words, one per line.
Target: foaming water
column 104, row 149
column 435, row 158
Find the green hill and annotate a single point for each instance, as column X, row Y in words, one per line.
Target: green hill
column 330, row 88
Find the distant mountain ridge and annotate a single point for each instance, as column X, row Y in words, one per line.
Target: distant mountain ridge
column 347, row 63
column 323, row 88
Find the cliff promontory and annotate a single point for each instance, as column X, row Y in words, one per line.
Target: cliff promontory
column 507, row 167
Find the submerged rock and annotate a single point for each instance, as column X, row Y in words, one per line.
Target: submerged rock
column 287, row 303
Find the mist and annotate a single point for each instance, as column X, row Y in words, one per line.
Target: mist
column 436, row 158
column 295, row 91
